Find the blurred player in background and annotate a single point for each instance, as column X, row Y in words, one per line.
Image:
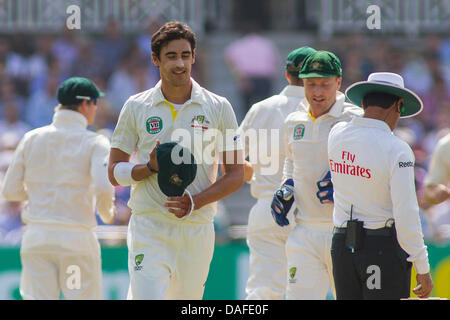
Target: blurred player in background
column 265, row 239
column 169, row 257
column 61, row 170
column 254, row 61
column 437, row 181
column 306, row 174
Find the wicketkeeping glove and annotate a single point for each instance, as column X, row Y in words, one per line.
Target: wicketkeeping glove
column 325, row 193
column 282, row 203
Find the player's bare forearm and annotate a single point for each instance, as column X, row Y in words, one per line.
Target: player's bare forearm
column 139, row 172
column 231, row 180
column 436, row 193
column 248, row 171
column 115, row 156
column 227, row 184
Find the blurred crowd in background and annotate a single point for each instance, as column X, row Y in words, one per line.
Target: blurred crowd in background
column 33, row 66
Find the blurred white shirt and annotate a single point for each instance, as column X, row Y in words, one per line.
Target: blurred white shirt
column 306, row 141
column 61, row 169
column 268, row 115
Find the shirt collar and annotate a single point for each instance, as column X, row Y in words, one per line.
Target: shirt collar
column 293, row 91
column 370, row 122
column 335, row 110
column 196, row 94
column 66, row 118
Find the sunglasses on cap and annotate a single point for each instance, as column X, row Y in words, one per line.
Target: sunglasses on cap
column 87, row 98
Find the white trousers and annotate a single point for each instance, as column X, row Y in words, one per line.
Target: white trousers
column 266, row 241
column 168, row 259
column 60, row 259
column 310, row 272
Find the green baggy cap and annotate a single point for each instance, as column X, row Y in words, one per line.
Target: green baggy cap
column 176, row 168
column 321, row 64
column 76, row 89
column 295, row 58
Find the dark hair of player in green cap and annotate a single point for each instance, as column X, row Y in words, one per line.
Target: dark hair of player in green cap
column 321, row 64
column 295, row 58
column 72, row 92
column 176, row 168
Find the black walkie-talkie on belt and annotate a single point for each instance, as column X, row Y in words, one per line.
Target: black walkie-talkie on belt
column 355, row 233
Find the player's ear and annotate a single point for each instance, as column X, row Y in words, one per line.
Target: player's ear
column 400, row 106
column 287, row 76
column 194, row 53
column 82, row 106
column 339, row 82
column 363, row 103
column 155, row 59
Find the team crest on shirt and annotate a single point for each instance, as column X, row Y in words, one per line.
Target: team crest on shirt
column 292, row 272
column 299, row 131
column 200, row 122
column 138, row 261
column 154, row 125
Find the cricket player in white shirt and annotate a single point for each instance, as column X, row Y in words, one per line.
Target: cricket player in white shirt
column 60, row 169
column 306, row 175
column 171, row 238
column 377, row 234
column 437, row 181
column 265, row 239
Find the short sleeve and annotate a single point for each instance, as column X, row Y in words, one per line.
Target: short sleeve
column 439, row 170
column 125, row 137
column 242, row 131
column 228, row 127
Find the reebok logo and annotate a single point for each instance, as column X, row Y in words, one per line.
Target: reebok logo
column 405, row 164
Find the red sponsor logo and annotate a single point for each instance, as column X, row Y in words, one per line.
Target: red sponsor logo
column 154, row 125
column 351, row 168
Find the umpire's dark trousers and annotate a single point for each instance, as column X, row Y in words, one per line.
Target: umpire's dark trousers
column 378, row 270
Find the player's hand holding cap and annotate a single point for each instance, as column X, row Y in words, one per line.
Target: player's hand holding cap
column 321, row 64
column 76, row 89
column 176, row 171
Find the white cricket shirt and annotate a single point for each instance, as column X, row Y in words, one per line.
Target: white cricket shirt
column 206, row 124
column 439, row 170
column 61, row 169
column 373, row 170
column 264, row 143
column 306, row 161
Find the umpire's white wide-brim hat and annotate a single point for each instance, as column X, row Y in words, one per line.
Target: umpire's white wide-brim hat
column 387, row 82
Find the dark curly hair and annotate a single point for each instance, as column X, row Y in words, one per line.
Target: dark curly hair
column 173, row 30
